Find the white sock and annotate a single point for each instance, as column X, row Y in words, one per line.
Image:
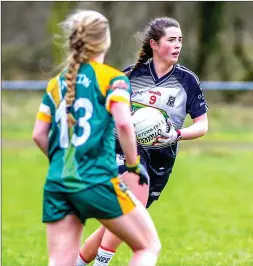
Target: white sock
column 103, row 257
column 80, row 261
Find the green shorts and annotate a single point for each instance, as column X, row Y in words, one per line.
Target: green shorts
column 103, row 201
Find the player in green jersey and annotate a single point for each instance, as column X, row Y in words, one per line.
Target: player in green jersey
column 74, row 129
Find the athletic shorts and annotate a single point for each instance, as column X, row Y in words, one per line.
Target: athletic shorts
column 103, row 201
column 157, row 181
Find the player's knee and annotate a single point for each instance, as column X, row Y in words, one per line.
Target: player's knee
column 57, row 260
column 156, row 246
column 63, row 257
column 51, row 262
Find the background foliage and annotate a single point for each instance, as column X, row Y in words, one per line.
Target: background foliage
column 217, row 35
column 204, row 216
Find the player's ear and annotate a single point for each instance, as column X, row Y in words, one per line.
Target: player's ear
column 153, row 44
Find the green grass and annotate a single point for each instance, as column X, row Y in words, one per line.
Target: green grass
column 204, row 216
column 226, row 123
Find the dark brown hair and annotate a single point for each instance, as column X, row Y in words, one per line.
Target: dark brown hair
column 154, row 30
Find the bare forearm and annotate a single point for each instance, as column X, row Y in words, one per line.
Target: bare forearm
column 194, row 131
column 40, row 135
column 42, row 143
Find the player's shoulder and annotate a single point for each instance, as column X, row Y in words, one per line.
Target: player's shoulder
column 141, row 70
column 107, row 70
column 54, row 88
column 52, row 84
column 128, row 68
column 187, row 74
column 107, row 75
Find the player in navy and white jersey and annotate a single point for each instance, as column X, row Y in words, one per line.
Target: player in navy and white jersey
column 176, row 94
column 157, row 80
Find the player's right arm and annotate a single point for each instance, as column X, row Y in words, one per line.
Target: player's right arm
column 118, row 103
column 43, row 124
column 40, row 135
column 44, row 116
column 122, row 117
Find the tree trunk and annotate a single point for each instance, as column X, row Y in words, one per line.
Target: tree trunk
column 58, row 13
column 209, row 26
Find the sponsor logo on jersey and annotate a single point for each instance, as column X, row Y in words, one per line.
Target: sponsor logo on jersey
column 82, row 79
column 171, row 101
column 201, row 96
column 136, row 92
column 158, row 93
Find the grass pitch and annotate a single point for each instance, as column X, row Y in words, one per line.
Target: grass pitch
column 203, row 217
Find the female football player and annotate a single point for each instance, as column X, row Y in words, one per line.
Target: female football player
column 157, row 81
column 74, row 129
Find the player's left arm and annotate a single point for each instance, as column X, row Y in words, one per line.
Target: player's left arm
column 197, row 108
column 198, row 129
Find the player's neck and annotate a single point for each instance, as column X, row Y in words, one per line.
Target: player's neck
column 161, row 67
column 99, row 58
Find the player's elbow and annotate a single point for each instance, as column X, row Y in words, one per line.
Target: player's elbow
column 201, row 125
column 204, row 129
column 122, row 117
column 124, row 125
column 35, row 136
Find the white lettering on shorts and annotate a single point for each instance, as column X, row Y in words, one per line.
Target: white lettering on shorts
column 155, row 194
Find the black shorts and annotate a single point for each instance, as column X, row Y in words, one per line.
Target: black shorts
column 158, row 180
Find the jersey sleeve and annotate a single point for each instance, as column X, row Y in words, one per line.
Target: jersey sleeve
column 118, row 91
column 196, row 103
column 45, row 109
column 127, row 69
column 49, row 102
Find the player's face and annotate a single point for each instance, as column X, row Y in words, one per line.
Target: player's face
column 169, row 46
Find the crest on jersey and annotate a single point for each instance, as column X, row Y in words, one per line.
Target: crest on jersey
column 171, row 101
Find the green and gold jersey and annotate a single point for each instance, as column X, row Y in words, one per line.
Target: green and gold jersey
column 84, row 155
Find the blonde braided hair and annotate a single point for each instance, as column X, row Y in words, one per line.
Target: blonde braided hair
column 89, row 36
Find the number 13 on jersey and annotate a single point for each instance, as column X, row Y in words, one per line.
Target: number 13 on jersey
column 82, row 122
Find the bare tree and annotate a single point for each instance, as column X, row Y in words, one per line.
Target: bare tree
column 210, row 24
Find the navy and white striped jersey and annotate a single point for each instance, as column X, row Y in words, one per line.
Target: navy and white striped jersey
column 176, row 94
